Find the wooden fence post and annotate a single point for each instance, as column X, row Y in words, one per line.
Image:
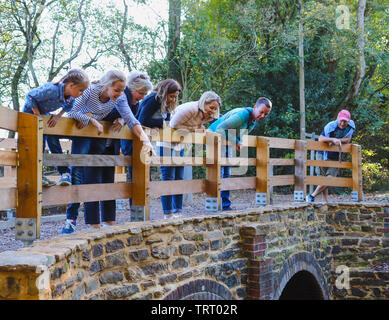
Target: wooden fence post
column 213, row 179
column 263, row 172
column 357, row 193
column 140, row 209
column 29, row 178
column 300, row 170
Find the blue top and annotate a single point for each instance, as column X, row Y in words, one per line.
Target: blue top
column 90, row 102
column 238, row 119
column 331, row 130
column 149, row 112
column 48, row 98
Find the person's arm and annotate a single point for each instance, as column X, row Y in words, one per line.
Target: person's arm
column 138, row 131
column 125, row 112
column 32, row 101
column 54, row 118
column 236, row 122
column 79, row 103
column 146, row 113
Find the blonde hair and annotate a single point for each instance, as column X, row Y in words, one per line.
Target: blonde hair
column 137, row 81
column 109, row 79
column 208, row 97
column 76, row 76
column 164, row 88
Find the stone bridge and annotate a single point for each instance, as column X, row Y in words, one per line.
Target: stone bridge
column 294, row 251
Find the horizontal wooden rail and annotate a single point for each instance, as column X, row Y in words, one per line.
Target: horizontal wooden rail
column 8, row 198
column 86, row 193
column 119, row 177
column 159, row 188
column 238, row 183
column 8, row 119
column 323, row 146
column 330, row 181
column 177, row 161
column 8, row 182
column 238, row 162
column 8, row 158
column 282, row 180
column 330, row 164
column 85, row 160
column 8, row 143
column 281, row 162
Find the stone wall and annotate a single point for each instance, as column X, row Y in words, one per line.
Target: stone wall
column 249, row 254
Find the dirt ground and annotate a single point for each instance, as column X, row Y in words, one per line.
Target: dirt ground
column 241, row 199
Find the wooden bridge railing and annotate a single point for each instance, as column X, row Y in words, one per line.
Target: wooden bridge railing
column 27, row 195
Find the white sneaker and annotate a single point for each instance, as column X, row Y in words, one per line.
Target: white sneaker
column 66, row 180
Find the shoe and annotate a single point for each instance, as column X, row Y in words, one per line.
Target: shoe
column 69, row 227
column 47, row 182
column 310, row 198
column 66, row 179
column 168, row 216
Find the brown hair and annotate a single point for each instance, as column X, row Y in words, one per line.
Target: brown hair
column 76, row 76
column 164, row 88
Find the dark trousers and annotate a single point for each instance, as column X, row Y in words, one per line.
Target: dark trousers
column 95, row 175
column 126, row 146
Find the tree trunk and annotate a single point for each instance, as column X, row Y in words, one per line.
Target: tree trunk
column 174, row 39
column 361, row 68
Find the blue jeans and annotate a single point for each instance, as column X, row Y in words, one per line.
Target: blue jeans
column 226, row 173
column 95, row 175
column 172, row 203
column 55, row 147
column 126, row 146
column 79, row 146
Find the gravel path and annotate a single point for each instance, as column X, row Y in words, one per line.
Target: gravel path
column 241, row 199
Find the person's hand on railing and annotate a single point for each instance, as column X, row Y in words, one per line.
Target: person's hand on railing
column 53, row 120
column 201, row 128
column 117, row 125
column 154, row 131
column 98, row 125
column 147, row 148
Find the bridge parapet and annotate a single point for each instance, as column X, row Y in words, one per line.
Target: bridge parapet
column 248, row 254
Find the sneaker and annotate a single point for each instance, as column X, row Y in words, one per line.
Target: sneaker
column 47, row 182
column 310, row 198
column 69, row 227
column 66, row 179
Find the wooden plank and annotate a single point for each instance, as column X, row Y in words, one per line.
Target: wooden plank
column 67, row 127
column 330, row 181
column 280, row 143
column 86, row 193
column 281, row 162
column 213, row 155
column 85, row 160
column 238, row 183
column 8, row 119
column 176, row 161
column 161, row 188
column 329, row 164
column 119, row 177
column 141, row 177
column 8, row 158
column 29, row 178
column 318, row 145
column 284, row 180
column 8, row 143
column 10, row 171
column 300, row 168
column 8, row 198
column 357, row 170
column 263, row 172
column 241, row 162
column 8, row 182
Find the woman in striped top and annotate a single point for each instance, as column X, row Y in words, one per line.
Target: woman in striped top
column 99, row 100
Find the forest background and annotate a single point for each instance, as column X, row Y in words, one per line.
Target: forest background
column 240, row 49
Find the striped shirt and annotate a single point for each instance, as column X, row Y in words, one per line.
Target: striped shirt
column 90, row 102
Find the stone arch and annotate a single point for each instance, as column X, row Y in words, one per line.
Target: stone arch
column 300, row 264
column 201, row 289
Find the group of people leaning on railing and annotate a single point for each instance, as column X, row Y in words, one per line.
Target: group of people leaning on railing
column 127, row 101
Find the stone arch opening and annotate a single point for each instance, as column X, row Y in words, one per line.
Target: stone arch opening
column 302, row 286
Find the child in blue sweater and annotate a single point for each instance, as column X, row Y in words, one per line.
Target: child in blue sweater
column 50, row 97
